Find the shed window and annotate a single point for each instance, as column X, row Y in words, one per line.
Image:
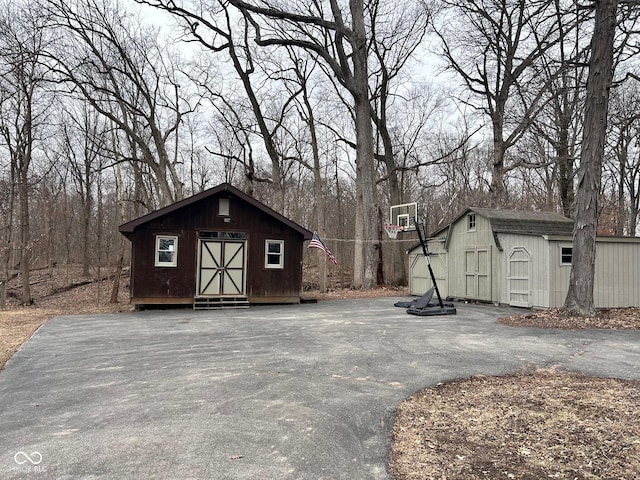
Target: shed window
column 166, row 251
column 566, row 255
column 223, row 207
column 471, row 222
column 274, row 254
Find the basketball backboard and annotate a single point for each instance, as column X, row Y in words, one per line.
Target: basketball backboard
column 404, row 215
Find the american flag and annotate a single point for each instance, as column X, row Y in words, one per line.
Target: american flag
column 317, row 243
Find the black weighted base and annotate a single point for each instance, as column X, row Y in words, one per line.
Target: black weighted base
column 421, row 302
column 446, row 309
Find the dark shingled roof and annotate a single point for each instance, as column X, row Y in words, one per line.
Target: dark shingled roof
column 515, row 221
column 525, row 222
column 128, row 228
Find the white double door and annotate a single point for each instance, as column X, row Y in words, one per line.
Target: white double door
column 221, row 267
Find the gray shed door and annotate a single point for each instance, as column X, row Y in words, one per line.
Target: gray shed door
column 477, row 268
column 518, row 277
column 221, row 267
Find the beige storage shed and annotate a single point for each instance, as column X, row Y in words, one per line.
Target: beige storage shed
column 523, row 259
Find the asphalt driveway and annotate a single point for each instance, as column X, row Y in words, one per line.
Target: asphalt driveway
column 278, row 392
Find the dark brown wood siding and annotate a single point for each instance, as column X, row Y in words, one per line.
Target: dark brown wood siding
column 170, row 284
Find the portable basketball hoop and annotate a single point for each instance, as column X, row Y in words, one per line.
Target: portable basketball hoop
column 392, row 230
column 423, row 305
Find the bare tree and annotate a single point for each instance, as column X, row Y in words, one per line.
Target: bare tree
column 83, row 138
column 127, row 74
column 344, row 49
column 579, row 300
column 563, row 70
column 624, row 158
column 22, row 39
column 493, row 46
column 219, row 29
column 303, row 71
column 396, row 34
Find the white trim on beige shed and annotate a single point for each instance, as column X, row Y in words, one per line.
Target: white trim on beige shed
column 484, row 261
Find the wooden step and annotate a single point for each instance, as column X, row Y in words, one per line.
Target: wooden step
column 220, row 302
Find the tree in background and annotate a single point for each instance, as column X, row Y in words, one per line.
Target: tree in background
column 126, row 73
column 495, row 47
column 23, row 106
column 623, row 159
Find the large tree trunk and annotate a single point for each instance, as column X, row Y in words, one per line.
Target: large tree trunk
column 498, row 191
column 367, row 244
column 7, row 238
column 399, row 276
column 579, row 299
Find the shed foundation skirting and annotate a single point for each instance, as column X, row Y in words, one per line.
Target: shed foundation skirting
column 161, row 301
column 203, row 303
column 274, row 300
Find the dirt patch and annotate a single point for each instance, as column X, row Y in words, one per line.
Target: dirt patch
column 352, row 293
column 544, row 424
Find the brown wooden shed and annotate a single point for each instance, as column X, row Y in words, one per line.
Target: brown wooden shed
column 219, row 248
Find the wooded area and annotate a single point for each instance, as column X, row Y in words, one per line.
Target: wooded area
column 327, row 111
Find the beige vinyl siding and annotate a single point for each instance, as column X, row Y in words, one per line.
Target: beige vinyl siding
column 419, row 281
column 617, row 272
column 419, row 278
column 559, row 273
column 471, row 261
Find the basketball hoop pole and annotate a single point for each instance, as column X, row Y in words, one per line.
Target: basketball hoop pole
column 425, row 250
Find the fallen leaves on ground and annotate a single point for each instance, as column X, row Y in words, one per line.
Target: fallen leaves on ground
column 613, row 318
column 355, row 293
column 545, row 424
column 18, row 323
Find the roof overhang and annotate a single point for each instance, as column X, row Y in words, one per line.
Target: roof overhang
column 127, row 229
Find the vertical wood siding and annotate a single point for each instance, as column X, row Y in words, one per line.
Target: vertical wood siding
column 149, row 282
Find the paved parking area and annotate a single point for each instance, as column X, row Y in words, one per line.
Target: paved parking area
column 274, row 392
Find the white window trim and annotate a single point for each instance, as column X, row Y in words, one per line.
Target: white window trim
column 268, row 265
column 475, row 222
column 564, row 264
column 174, row 262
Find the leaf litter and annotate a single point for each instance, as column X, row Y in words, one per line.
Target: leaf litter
column 525, row 426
